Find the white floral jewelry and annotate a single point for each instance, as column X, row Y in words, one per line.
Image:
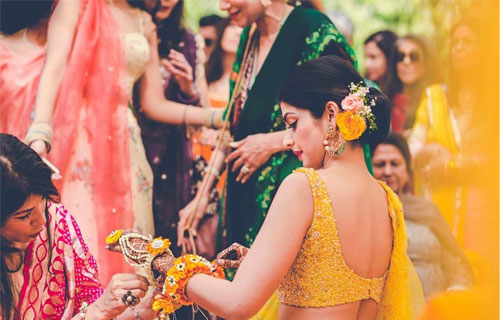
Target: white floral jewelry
column 155, row 247
column 352, row 123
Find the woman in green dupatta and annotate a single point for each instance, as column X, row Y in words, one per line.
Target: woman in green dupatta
column 276, row 37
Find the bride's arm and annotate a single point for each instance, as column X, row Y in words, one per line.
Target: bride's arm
column 153, row 101
column 268, row 260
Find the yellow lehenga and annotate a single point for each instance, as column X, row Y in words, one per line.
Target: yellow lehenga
column 398, row 293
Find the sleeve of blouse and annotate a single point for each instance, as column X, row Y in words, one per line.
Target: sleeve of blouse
column 88, row 286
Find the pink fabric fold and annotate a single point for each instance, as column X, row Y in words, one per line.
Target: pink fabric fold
column 94, row 80
column 19, row 77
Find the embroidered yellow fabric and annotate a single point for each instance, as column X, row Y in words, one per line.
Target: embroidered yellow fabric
column 319, row 276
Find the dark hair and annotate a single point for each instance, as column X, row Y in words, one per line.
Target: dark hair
column 139, row 4
column 22, row 173
column 17, row 15
column 171, row 30
column 432, row 74
column 400, row 143
column 311, row 85
column 384, row 40
column 477, row 79
column 210, row 20
column 214, row 68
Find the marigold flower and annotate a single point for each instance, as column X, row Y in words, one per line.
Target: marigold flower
column 114, row 236
column 158, row 246
column 351, row 126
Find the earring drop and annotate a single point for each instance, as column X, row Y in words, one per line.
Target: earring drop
column 333, row 148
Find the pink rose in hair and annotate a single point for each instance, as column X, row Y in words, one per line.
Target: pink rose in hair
column 352, row 102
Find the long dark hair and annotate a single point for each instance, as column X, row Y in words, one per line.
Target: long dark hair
column 476, row 80
column 214, row 67
column 171, row 30
column 22, row 173
column 314, row 83
column 432, row 74
column 17, row 15
column 384, row 40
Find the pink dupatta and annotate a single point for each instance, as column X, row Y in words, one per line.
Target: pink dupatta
column 95, row 79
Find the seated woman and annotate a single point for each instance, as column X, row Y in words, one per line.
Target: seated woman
column 439, row 261
column 47, row 271
column 334, row 241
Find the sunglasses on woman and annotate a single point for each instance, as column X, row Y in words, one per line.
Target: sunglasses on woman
column 413, row 55
column 208, row 42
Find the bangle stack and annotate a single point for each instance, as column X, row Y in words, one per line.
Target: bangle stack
column 177, row 277
column 40, row 131
column 211, row 121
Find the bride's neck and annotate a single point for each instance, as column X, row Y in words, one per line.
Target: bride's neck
column 353, row 156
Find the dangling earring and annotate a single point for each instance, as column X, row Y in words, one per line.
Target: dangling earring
column 333, row 148
column 265, row 3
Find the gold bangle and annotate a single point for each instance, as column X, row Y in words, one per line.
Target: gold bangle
column 206, row 120
column 184, row 114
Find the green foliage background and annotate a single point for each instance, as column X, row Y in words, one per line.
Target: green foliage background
column 431, row 18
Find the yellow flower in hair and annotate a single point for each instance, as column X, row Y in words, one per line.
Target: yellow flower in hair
column 351, row 126
column 158, row 246
column 114, row 236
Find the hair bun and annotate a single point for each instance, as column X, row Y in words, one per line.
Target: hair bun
column 382, row 113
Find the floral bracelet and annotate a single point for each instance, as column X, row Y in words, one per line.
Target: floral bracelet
column 174, row 290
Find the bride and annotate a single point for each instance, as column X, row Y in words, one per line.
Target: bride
column 334, row 241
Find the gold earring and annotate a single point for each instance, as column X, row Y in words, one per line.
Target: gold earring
column 333, row 148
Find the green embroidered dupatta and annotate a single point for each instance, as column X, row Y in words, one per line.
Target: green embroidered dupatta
column 306, row 34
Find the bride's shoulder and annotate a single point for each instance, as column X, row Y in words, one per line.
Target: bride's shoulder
column 297, row 185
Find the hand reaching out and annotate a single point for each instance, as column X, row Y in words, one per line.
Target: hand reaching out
column 232, row 256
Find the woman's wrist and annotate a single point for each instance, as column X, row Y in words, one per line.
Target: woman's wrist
column 92, row 312
column 40, row 131
column 190, row 97
column 275, row 144
column 213, row 118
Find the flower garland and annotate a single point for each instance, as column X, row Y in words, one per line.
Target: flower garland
column 173, row 295
column 154, row 248
column 352, row 123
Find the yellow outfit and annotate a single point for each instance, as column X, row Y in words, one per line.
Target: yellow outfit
column 436, row 123
column 319, row 276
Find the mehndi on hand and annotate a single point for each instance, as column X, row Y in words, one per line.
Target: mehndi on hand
column 232, row 256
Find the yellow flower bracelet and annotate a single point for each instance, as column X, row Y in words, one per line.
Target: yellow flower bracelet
column 174, row 290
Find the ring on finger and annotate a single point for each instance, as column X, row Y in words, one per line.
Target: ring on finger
column 129, row 299
column 245, row 169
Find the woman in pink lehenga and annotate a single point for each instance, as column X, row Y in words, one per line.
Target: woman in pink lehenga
column 97, row 50
column 22, row 54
